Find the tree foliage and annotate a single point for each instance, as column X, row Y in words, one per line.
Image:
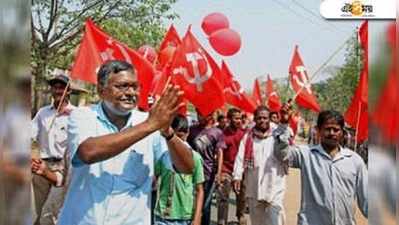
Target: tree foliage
column 337, row 91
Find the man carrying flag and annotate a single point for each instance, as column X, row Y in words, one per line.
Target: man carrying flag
column 49, row 130
column 332, row 177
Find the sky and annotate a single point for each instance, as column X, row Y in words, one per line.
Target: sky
column 269, row 31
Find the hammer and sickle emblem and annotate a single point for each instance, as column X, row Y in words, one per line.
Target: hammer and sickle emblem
column 198, row 78
column 234, row 90
column 301, row 79
column 108, row 53
column 273, row 94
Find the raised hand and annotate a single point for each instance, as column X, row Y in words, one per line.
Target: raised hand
column 282, row 134
column 165, row 108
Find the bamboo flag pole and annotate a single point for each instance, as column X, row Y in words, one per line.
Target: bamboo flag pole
column 360, row 102
column 357, row 124
column 60, row 104
column 3, row 204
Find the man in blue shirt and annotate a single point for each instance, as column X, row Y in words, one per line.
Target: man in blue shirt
column 332, row 177
column 113, row 149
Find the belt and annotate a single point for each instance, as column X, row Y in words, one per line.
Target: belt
column 52, row 159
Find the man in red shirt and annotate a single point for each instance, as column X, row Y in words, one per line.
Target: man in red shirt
column 232, row 136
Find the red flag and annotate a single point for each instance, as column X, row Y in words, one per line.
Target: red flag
column 166, row 51
column 273, row 100
column 300, row 83
column 168, row 46
column 386, row 112
column 158, row 86
column 88, row 59
column 233, row 92
column 356, row 115
column 194, row 70
column 293, row 122
column 171, row 38
column 97, row 47
column 256, row 95
column 159, row 82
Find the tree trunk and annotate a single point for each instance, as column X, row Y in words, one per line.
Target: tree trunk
column 39, row 72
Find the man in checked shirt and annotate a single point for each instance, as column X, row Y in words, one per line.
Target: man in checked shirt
column 332, row 177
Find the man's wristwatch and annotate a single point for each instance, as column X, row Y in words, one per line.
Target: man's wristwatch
column 170, row 136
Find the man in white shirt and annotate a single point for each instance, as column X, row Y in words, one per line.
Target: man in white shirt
column 49, row 131
column 264, row 175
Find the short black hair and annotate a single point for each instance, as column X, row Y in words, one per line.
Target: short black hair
column 220, row 117
column 330, row 114
column 180, row 123
column 260, row 109
column 231, row 112
column 272, row 113
column 111, row 66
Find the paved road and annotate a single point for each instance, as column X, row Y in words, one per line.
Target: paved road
column 291, row 203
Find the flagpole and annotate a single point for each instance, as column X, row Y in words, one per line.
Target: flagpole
column 321, row 67
column 266, row 94
column 357, row 124
column 60, row 104
column 360, row 102
column 2, row 191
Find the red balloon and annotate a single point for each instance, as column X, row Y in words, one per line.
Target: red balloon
column 214, row 22
column 166, row 55
column 226, row 42
column 148, row 52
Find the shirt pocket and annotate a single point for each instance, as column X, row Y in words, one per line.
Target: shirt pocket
column 136, row 171
column 60, row 134
column 347, row 182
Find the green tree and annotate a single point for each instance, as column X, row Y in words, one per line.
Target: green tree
column 337, row 91
column 57, row 27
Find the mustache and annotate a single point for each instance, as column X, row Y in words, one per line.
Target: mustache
column 132, row 99
column 330, row 140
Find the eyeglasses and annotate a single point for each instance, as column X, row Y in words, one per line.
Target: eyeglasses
column 123, row 87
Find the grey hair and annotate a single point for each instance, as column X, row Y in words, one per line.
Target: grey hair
column 259, row 109
column 111, row 66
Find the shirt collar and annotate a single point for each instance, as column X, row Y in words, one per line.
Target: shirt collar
column 69, row 105
column 343, row 152
column 67, row 110
column 103, row 117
